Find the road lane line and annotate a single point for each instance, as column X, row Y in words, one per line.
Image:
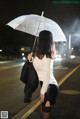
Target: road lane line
column 31, row 110
column 34, row 107
column 23, row 114
column 70, row 92
column 8, row 67
column 61, row 81
column 3, row 68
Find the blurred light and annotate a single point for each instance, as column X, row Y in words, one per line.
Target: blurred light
column 72, row 48
column 64, row 54
column 64, row 44
column 58, row 57
column 22, row 54
column 72, row 56
column 0, row 50
column 24, row 58
column 22, row 49
column 78, row 35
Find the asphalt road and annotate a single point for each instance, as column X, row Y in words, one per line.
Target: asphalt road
column 68, row 101
column 11, row 88
column 11, row 91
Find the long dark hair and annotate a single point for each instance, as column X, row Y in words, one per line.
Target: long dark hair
column 45, row 42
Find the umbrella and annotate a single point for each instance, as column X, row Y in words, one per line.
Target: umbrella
column 33, row 24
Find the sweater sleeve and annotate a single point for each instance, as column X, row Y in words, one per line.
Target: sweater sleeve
column 46, row 77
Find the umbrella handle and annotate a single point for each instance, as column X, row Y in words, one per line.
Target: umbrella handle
column 37, row 32
column 42, row 13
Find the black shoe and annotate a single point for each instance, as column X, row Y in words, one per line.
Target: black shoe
column 28, row 100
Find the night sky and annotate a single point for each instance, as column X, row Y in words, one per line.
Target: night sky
column 63, row 14
column 66, row 15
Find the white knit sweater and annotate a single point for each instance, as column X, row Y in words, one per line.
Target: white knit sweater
column 44, row 69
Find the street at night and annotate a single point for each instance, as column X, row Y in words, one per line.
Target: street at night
column 68, row 102
column 12, row 90
column 20, row 25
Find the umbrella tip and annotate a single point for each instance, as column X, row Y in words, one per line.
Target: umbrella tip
column 42, row 13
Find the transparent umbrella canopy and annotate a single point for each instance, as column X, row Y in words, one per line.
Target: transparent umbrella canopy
column 33, row 24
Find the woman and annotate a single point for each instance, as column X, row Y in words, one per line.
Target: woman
column 43, row 64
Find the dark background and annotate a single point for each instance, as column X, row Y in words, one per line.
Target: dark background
column 67, row 15
column 64, row 14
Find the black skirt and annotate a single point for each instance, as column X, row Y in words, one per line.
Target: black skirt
column 51, row 94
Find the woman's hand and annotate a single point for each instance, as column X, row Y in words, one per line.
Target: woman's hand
column 29, row 57
column 42, row 97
